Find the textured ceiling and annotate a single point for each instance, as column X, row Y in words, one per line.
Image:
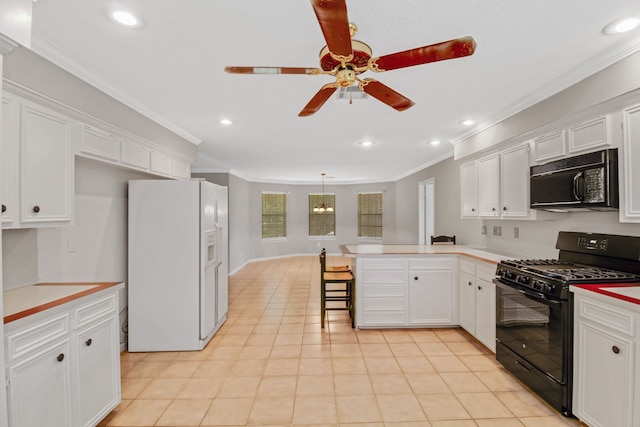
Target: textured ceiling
column 172, row 70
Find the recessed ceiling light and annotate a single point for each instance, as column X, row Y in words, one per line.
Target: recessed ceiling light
column 621, row 26
column 435, row 142
column 366, row 143
column 226, row 122
column 467, row 122
column 125, row 18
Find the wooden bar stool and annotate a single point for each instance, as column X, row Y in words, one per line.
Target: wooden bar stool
column 334, row 268
column 343, row 292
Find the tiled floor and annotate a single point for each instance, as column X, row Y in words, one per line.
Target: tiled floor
column 272, row 365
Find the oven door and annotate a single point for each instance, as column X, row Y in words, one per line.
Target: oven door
column 535, row 328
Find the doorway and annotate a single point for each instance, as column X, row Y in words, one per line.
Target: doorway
column 427, row 210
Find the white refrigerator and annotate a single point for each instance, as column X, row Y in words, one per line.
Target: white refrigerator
column 178, row 264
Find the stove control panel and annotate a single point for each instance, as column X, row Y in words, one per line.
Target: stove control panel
column 593, row 243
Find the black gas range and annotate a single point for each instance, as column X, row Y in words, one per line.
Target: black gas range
column 534, row 308
column 552, row 277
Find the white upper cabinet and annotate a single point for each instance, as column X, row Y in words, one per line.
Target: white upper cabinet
column 469, row 190
column 630, row 166
column 514, row 185
column 497, row 186
column 489, row 186
column 550, row 146
column 9, row 173
column 589, row 135
column 46, row 161
column 99, row 143
column 37, row 165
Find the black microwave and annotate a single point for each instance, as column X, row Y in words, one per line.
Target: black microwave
column 583, row 182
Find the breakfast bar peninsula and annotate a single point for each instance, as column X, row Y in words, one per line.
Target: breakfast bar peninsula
column 423, row 285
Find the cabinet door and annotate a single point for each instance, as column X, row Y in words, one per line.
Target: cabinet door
column 98, row 371
column 589, row 135
column 515, row 182
column 46, row 166
column 550, row 146
column 40, row 389
column 605, row 377
column 468, row 302
column 630, row 177
column 486, row 313
column 469, row 190
column 489, row 187
column 430, row 297
column 9, row 156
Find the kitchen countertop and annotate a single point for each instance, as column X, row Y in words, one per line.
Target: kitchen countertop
column 27, row 300
column 628, row 292
column 470, row 251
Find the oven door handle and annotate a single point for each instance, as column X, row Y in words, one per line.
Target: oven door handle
column 539, row 297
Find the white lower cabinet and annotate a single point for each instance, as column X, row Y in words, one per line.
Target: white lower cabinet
column 63, row 364
column 39, row 389
column 400, row 292
column 478, row 301
column 98, row 363
column 432, row 292
column 605, row 367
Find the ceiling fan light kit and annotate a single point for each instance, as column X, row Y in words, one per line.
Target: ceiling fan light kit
column 345, row 58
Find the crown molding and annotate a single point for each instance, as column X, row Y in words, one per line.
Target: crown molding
column 55, row 55
column 6, row 44
column 586, row 69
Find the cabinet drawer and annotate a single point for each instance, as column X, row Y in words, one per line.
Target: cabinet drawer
column 95, row 310
column 611, row 317
column 486, row 272
column 385, row 304
column 384, row 277
column 384, row 318
column 467, row 267
column 384, row 291
column 430, row 263
column 28, row 339
column 384, row 264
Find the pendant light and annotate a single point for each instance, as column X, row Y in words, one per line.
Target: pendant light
column 323, row 207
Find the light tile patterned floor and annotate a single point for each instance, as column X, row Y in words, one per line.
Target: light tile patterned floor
column 272, row 365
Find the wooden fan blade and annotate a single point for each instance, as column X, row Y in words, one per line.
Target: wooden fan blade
column 332, row 16
column 422, row 55
column 385, row 94
column 318, row 100
column 271, row 70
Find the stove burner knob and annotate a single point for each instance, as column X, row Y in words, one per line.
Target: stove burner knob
column 549, row 288
column 525, row 280
column 510, row 275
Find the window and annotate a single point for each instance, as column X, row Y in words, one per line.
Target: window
column 322, row 224
column 370, row 215
column 274, row 215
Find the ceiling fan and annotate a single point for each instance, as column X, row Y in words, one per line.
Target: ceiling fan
column 346, row 58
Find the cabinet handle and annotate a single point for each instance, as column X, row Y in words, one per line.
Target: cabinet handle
column 4, row 208
column 415, row 278
column 88, row 342
column 504, row 208
column 479, row 288
column 470, row 283
column 36, row 209
column 60, row 357
column 473, row 209
column 493, row 209
column 615, row 349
